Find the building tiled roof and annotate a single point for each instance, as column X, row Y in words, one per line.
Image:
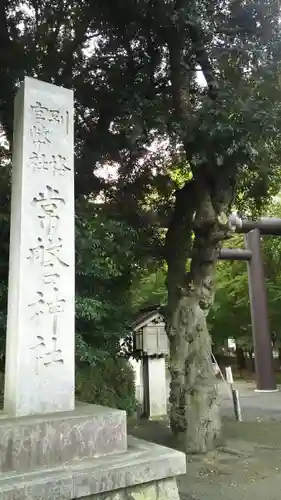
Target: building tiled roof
column 145, row 315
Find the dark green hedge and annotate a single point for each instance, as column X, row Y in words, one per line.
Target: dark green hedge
column 109, row 383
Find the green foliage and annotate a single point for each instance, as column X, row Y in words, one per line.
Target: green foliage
column 230, row 315
column 104, row 270
column 110, row 383
column 150, row 289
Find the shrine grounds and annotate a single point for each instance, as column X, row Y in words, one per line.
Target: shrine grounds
column 248, row 464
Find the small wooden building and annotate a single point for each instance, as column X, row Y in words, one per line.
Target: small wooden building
column 152, row 347
column 149, row 333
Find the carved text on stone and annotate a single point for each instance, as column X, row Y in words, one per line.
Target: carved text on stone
column 47, row 115
column 45, row 123
column 47, row 252
column 49, row 203
column 47, row 255
column 57, row 164
column 45, row 305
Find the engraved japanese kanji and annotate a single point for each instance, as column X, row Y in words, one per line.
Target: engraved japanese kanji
column 40, row 135
column 45, row 114
column 49, row 203
column 47, row 351
column 52, row 355
column 57, row 164
column 47, row 255
column 52, row 279
column 47, row 252
column 49, row 305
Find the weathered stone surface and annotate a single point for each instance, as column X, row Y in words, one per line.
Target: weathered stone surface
column 39, row 375
column 30, row 443
column 142, row 463
column 165, row 489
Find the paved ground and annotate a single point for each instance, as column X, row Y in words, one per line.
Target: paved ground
column 254, row 405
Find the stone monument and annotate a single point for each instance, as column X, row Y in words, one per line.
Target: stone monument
column 40, row 331
column 51, row 449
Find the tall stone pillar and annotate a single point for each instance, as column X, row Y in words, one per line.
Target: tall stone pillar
column 39, row 376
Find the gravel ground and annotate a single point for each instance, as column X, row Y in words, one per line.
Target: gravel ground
column 247, row 467
column 249, row 464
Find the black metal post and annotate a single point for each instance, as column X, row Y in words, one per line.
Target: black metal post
column 259, row 312
column 236, row 405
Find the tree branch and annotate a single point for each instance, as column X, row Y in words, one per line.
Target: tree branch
column 179, row 81
column 179, row 239
column 197, row 39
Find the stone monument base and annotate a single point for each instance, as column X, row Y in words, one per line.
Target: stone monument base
column 165, row 489
column 84, row 453
column 145, row 471
column 54, row 439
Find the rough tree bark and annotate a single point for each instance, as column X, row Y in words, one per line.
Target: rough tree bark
column 178, row 247
column 194, row 410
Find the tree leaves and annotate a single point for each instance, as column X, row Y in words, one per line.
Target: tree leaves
column 105, row 266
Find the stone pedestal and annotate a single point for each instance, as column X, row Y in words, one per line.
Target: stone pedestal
column 83, row 454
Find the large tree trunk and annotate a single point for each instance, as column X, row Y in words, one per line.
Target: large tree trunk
column 194, row 408
column 194, row 412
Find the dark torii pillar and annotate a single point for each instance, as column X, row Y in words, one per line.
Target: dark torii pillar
column 265, row 375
